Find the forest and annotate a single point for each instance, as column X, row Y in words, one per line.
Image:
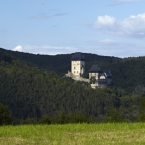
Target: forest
column 34, row 90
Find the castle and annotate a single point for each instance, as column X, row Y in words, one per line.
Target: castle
column 97, row 78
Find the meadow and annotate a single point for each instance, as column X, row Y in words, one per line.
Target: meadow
column 74, row 134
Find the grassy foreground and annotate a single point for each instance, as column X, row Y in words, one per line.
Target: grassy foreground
column 74, row 134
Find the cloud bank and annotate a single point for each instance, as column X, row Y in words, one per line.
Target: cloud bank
column 107, row 47
column 45, row 49
column 134, row 26
column 18, row 48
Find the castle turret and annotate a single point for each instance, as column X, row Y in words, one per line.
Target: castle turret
column 78, row 64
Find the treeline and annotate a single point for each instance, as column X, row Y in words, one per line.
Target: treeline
column 113, row 115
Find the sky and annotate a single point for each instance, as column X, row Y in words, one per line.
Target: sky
column 103, row 27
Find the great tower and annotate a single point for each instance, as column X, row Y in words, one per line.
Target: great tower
column 78, row 64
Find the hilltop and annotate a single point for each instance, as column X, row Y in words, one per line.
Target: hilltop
column 128, row 73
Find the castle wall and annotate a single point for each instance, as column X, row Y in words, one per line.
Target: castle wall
column 98, row 85
column 77, row 78
column 96, row 75
column 94, row 86
column 109, row 80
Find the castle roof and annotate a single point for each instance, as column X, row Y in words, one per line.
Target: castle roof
column 108, row 74
column 77, row 56
column 95, row 69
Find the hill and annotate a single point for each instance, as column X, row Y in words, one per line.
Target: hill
column 30, row 92
column 128, row 73
column 61, row 63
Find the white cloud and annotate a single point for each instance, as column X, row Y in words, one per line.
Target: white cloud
column 105, row 21
column 134, row 26
column 18, row 48
column 107, row 47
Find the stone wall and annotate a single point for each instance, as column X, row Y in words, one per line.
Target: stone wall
column 77, row 78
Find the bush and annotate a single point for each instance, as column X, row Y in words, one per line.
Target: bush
column 5, row 115
column 45, row 120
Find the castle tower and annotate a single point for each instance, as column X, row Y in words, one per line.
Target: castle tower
column 78, row 64
column 95, row 72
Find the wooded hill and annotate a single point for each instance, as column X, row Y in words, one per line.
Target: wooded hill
column 128, row 73
column 31, row 88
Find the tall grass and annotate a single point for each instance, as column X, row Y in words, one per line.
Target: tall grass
column 74, row 134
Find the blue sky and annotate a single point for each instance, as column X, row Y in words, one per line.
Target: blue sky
column 103, row 27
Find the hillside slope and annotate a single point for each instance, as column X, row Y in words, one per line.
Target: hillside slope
column 31, row 92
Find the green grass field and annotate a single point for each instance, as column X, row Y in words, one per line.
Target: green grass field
column 74, row 134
